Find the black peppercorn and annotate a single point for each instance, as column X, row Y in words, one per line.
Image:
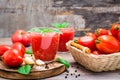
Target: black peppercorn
column 75, row 70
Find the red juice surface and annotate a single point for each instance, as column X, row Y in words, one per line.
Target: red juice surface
column 45, row 46
column 67, row 34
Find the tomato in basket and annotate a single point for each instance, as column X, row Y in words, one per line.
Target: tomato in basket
column 87, row 41
column 96, row 52
column 91, row 34
column 101, row 31
column 107, row 44
column 115, row 28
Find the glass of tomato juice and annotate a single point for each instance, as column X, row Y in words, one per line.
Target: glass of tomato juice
column 67, row 34
column 45, row 45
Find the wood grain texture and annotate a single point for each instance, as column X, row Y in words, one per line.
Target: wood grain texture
column 54, row 69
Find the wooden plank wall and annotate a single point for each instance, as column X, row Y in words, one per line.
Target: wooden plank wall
column 83, row 15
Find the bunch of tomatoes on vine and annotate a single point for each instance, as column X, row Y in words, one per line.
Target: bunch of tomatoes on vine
column 102, row 41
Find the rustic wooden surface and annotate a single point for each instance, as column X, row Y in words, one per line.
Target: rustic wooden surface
column 54, row 69
column 76, row 71
column 83, row 15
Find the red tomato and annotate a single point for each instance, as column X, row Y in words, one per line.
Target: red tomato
column 91, row 34
column 4, row 48
column 115, row 28
column 101, row 31
column 22, row 37
column 12, row 58
column 107, row 44
column 19, row 46
column 96, row 52
column 118, row 37
column 87, row 41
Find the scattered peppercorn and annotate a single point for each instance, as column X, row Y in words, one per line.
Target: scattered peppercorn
column 46, row 66
column 78, row 74
column 65, row 76
column 75, row 70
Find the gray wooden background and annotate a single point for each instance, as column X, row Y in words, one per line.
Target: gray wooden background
column 83, row 15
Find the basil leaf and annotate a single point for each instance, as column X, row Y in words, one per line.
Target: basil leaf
column 57, row 31
column 62, row 25
column 63, row 61
column 56, row 25
column 44, row 30
column 36, row 29
column 29, row 51
column 24, row 69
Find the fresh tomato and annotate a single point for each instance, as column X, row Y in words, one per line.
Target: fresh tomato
column 19, row 46
column 91, row 34
column 12, row 58
column 107, row 44
column 4, row 48
column 96, row 52
column 118, row 37
column 101, row 31
column 115, row 28
column 87, row 41
column 22, row 37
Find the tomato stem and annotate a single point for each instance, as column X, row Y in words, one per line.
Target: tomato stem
column 97, row 41
column 117, row 28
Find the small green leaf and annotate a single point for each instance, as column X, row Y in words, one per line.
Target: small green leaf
column 63, row 61
column 29, row 51
column 55, row 25
column 44, row 30
column 36, row 29
column 56, row 30
column 62, row 25
column 24, row 69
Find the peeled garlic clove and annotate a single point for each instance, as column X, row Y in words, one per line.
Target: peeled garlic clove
column 29, row 60
column 39, row 62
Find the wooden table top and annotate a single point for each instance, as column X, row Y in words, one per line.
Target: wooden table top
column 76, row 71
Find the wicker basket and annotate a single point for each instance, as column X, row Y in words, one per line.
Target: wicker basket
column 96, row 63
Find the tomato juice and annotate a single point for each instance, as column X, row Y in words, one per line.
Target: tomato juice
column 45, row 46
column 67, row 34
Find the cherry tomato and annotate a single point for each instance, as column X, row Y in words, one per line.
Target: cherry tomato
column 12, row 58
column 91, row 34
column 96, row 52
column 101, row 31
column 22, row 37
column 87, row 41
column 4, row 48
column 118, row 37
column 107, row 44
column 19, row 46
column 115, row 28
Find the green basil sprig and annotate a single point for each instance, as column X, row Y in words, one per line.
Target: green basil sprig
column 60, row 25
column 44, row 30
column 63, row 61
column 29, row 51
column 24, row 69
